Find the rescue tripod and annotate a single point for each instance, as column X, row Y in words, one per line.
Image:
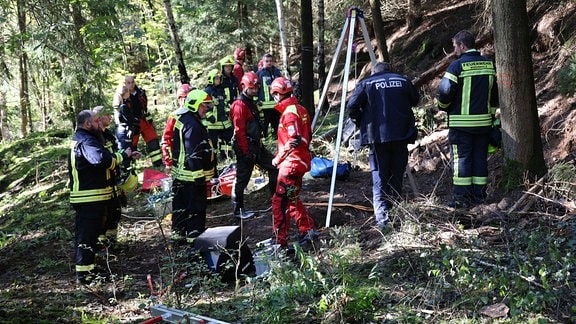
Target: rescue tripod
column 354, row 16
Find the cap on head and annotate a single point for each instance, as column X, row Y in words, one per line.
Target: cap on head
column 281, row 85
column 183, row 91
column 102, row 111
column 250, row 80
column 195, row 98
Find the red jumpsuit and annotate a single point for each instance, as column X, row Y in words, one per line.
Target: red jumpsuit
column 293, row 161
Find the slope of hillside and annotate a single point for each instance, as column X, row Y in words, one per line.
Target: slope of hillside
column 435, row 264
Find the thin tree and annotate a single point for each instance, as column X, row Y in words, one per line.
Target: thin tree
column 184, row 78
column 379, row 32
column 307, row 72
column 283, row 42
column 414, row 14
column 520, row 124
column 23, row 69
column 320, row 56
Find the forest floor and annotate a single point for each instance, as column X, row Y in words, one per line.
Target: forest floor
column 40, row 277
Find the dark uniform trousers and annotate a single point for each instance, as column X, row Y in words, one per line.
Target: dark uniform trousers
column 189, row 208
column 469, row 154
column 89, row 219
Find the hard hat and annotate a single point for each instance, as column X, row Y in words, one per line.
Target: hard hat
column 281, row 85
column 195, row 98
column 250, row 81
column 239, row 54
column 128, row 181
column 227, row 60
column 183, row 91
column 214, row 73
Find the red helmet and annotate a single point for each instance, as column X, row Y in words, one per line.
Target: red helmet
column 250, row 81
column 183, row 91
column 281, row 85
column 239, row 54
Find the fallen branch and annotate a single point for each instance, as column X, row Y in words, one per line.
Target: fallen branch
column 537, row 186
column 324, row 204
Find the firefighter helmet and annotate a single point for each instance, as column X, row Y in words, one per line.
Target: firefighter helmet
column 250, row 81
column 239, row 54
column 213, row 74
column 226, row 60
column 195, row 98
column 183, row 91
column 128, row 181
column 281, row 85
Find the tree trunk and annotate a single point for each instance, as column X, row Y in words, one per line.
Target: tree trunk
column 184, row 78
column 520, row 123
column 283, row 43
column 379, row 33
column 413, row 17
column 320, row 56
column 23, row 68
column 307, row 74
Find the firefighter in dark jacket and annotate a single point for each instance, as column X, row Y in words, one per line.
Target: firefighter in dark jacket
column 247, row 144
column 469, row 94
column 218, row 118
column 193, row 165
column 266, row 75
column 133, row 119
column 382, row 108
column 90, row 167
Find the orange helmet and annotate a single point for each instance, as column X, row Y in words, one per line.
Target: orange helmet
column 281, row 85
column 250, row 81
column 239, row 54
column 183, row 91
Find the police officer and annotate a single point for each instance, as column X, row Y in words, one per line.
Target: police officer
column 469, row 94
column 193, row 165
column 293, row 161
column 90, row 166
column 247, row 144
column 381, row 107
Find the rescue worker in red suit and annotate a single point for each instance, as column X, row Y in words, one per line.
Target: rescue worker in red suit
column 469, row 94
column 293, row 161
column 132, row 119
column 168, row 133
column 381, row 106
column 239, row 57
column 90, row 167
column 247, row 144
column 193, row 166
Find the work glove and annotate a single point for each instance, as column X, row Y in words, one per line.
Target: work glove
column 149, row 118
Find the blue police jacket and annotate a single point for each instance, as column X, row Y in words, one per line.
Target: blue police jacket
column 382, row 108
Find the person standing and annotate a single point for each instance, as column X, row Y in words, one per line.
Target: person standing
column 266, row 75
column 168, row 133
column 247, row 144
column 193, row 165
column 293, row 161
column 469, row 94
column 239, row 57
column 381, row 106
column 108, row 236
column 90, row 166
column 218, row 119
column 133, row 119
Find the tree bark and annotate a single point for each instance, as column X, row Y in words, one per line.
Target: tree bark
column 283, row 42
column 379, row 33
column 307, row 75
column 520, row 123
column 320, row 56
column 23, row 69
column 413, row 16
column 184, row 78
